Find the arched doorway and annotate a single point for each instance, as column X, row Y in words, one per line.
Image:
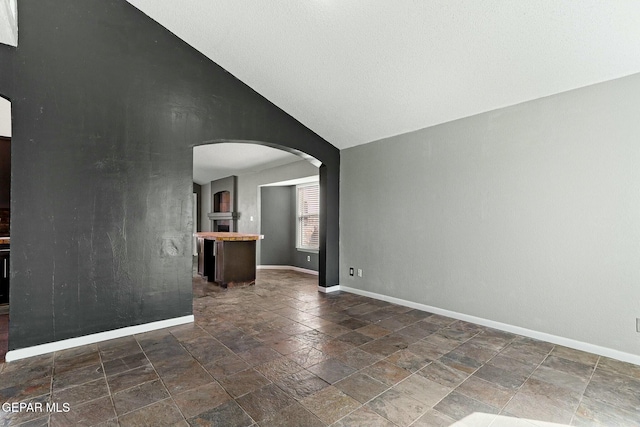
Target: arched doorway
column 102, row 174
column 264, row 183
column 5, row 219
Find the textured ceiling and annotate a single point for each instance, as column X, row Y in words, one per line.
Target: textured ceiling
column 215, row 161
column 8, row 22
column 360, row 70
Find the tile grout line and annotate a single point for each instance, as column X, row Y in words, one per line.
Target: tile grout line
column 212, row 377
column 104, row 374
column 409, row 376
column 162, row 381
column 406, row 378
column 137, row 385
column 573, row 416
column 483, row 364
column 456, row 387
column 527, row 379
column 106, row 381
column 468, row 376
column 53, row 371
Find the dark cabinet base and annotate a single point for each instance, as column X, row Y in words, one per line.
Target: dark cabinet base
column 206, row 257
column 235, row 263
column 4, row 279
column 227, row 263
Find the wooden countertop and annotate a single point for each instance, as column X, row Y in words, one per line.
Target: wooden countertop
column 226, row 236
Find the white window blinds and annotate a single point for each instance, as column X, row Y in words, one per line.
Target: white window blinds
column 308, row 232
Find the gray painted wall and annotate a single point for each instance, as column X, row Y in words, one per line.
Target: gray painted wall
column 278, row 225
column 527, row 215
column 206, row 206
column 302, row 259
column 197, row 189
column 249, row 203
column 278, row 219
column 248, row 185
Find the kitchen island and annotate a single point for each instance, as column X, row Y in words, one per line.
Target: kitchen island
column 227, row 258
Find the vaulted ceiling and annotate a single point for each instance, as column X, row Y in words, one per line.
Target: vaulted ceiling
column 8, row 22
column 355, row 71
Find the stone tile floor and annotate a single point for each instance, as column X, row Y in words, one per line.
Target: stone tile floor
column 282, row 354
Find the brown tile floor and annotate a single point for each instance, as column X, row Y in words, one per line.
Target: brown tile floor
column 281, row 354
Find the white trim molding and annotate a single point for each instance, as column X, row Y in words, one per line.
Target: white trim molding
column 23, row 353
column 328, row 289
column 554, row 339
column 286, row 267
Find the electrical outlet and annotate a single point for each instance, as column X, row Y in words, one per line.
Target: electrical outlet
column 351, row 271
column 359, row 272
column 308, row 258
column 638, row 324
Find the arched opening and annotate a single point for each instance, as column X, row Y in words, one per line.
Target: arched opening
column 5, row 220
column 255, row 188
column 103, row 176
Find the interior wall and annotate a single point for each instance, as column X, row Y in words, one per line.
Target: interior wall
column 197, row 189
column 107, row 106
column 248, row 191
column 249, row 206
column 277, row 220
column 206, row 206
column 303, row 259
column 526, row 215
column 278, row 216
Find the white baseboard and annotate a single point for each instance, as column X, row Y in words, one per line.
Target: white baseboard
column 286, row 267
column 329, row 289
column 554, row 339
column 37, row 350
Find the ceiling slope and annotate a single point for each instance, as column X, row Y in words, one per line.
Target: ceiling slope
column 360, row 70
column 8, row 22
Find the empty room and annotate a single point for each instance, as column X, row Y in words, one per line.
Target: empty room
column 320, row 213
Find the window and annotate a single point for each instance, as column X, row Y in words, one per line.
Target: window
column 308, row 213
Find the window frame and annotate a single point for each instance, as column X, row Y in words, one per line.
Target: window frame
column 299, row 217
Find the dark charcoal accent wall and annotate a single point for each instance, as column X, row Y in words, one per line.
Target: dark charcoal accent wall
column 7, row 54
column 107, row 105
column 329, row 234
column 276, row 221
